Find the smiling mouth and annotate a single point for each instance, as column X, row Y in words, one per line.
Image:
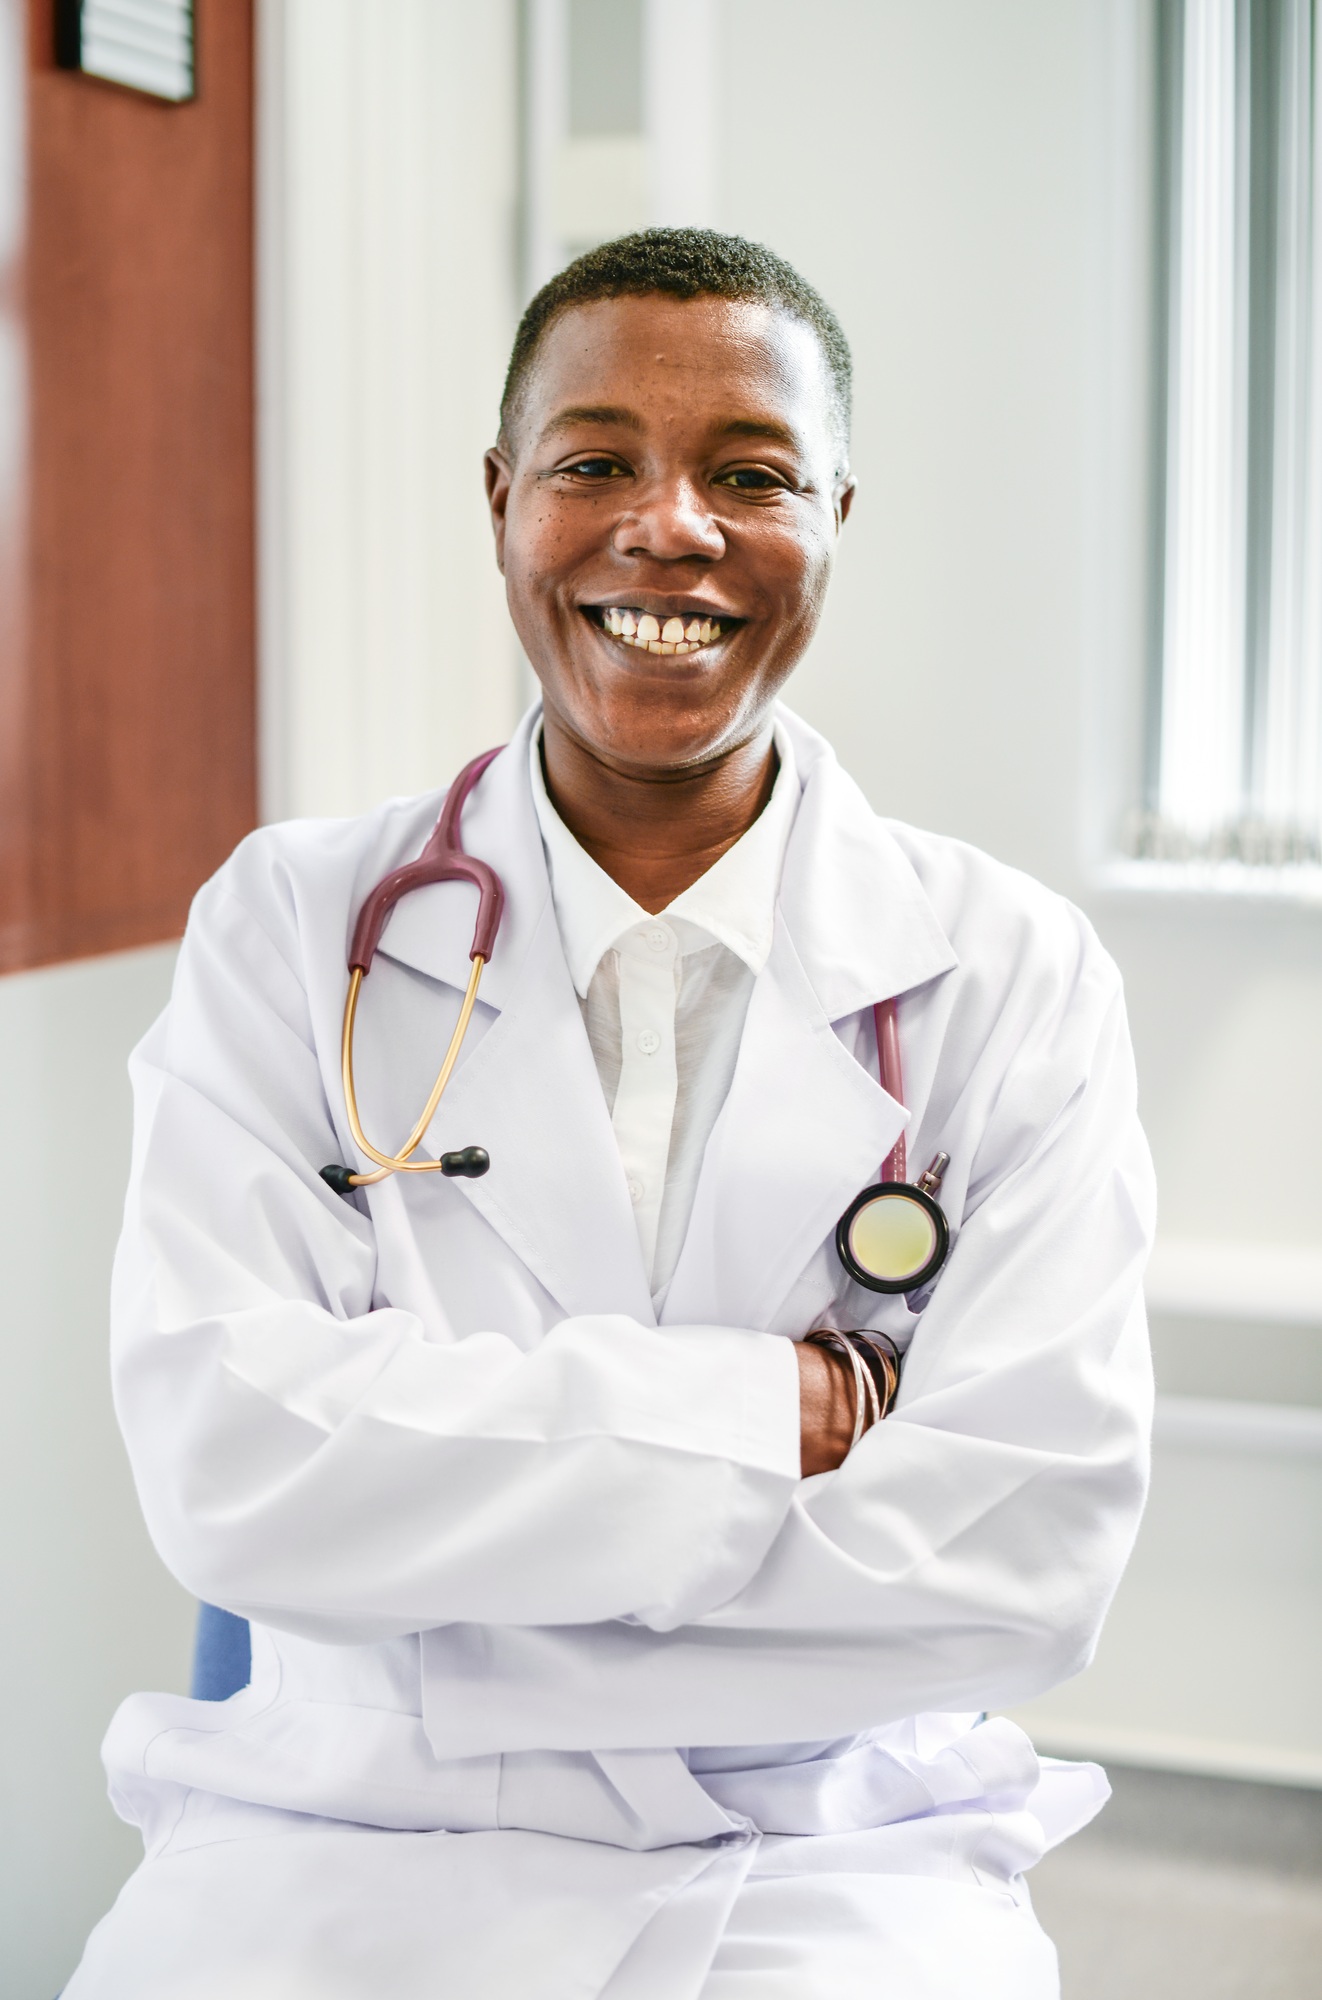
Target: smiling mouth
column 650, row 634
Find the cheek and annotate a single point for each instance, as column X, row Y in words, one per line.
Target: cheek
column 801, row 566
column 546, row 542
column 533, row 531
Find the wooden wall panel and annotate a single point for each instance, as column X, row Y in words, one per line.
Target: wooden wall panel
column 130, row 709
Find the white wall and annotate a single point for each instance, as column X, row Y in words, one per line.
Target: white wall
column 967, row 185
column 89, row 1612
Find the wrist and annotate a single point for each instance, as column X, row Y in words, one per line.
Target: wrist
column 851, row 1387
column 826, row 1408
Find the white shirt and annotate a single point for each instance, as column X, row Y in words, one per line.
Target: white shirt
column 664, row 998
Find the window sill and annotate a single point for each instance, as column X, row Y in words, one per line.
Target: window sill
column 1299, row 884
column 1275, row 1284
column 1266, row 1430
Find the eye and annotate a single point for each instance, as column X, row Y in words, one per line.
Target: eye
column 752, row 479
column 595, row 468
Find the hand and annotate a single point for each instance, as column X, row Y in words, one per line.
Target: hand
column 826, row 1409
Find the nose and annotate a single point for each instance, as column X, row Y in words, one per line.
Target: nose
column 672, row 522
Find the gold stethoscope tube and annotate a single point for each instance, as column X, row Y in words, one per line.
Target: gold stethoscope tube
column 400, row 1162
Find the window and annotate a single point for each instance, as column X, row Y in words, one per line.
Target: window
column 1235, row 740
column 618, row 119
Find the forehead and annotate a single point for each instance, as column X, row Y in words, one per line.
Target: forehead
column 704, row 361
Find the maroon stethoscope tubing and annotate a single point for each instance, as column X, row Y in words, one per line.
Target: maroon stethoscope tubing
column 896, row 1165
column 442, row 860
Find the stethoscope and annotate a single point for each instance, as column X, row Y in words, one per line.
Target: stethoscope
column 442, row 860
column 892, row 1238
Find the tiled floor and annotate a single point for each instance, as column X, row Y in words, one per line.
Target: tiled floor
column 1189, row 1889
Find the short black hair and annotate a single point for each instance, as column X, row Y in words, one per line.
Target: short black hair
column 682, row 264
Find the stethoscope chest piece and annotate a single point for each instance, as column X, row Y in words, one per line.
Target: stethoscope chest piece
column 893, row 1237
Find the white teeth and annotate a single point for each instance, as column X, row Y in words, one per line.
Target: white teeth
column 644, row 630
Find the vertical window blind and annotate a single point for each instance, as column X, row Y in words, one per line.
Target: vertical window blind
column 1235, row 756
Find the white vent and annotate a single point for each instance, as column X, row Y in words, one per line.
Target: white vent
column 144, row 44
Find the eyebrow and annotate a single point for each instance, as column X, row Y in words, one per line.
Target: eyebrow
column 764, row 427
column 608, row 414
column 593, row 413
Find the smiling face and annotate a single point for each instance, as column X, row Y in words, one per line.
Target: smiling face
column 666, row 507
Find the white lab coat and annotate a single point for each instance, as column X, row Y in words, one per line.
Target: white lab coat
column 519, row 1554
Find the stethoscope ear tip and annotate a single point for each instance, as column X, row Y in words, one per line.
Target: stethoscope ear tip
column 469, row 1163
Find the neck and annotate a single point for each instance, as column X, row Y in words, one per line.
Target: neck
column 656, row 832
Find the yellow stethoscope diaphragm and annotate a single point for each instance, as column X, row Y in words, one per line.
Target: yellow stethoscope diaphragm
column 893, row 1237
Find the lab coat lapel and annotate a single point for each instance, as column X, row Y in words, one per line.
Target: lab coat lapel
column 805, row 1126
column 528, row 1091
column 803, row 1129
column 556, row 1191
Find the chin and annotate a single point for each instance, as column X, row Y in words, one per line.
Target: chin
column 658, row 714
column 670, row 739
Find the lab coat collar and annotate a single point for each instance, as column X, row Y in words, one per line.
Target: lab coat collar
column 861, row 923
column 500, row 826
column 859, row 919
column 805, row 1125
column 528, row 1091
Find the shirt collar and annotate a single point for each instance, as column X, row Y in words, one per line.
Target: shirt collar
column 733, row 904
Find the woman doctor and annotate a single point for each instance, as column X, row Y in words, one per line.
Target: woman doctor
column 603, row 1648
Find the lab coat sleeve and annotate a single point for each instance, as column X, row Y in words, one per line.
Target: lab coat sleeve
column 1027, row 1376
column 965, row 1554
column 327, row 1465
column 979, row 1534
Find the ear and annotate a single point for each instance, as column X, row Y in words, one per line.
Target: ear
column 499, row 473
column 844, row 498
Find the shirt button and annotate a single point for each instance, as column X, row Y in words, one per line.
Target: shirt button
column 657, row 939
column 649, row 1041
column 635, row 1192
